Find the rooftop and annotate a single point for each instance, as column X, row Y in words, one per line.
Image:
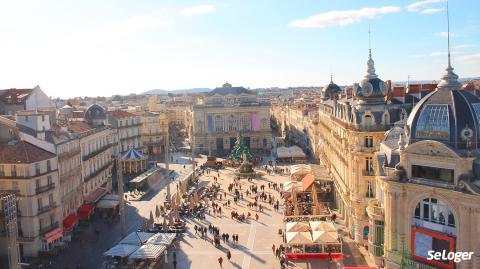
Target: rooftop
column 14, row 96
column 22, row 152
column 120, row 114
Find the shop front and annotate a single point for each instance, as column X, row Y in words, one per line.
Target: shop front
column 51, row 240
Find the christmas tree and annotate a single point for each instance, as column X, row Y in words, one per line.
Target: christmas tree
column 240, row 150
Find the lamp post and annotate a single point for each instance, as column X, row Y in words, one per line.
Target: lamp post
column 167, row 160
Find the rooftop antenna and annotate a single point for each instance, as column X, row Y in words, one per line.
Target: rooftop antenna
column 369, row 43
column 331, row 75
column 448, row 37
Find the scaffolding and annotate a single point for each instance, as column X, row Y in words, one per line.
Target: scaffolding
column 8, row 202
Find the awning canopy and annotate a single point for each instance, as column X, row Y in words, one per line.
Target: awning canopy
column 136, row 238
column 95, row 196
column 147, row 252
column 300, row 169
column 107, row 204
column 291, row 152
column 307, row 181
column 299, row 238
column 297, row 227
column 132, row 154
column 114, row 197
column 322, row 226
column 325, row 237
column 84, row 211
column 53, row 235
column 69, row 222
column 162, row 239
column 121, row 250
column 289, row 185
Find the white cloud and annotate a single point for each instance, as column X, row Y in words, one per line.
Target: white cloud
column 463, row 46
column 198, row 10
column 342, row 17
column 473, row 59
column 432, row 10
column 421, row 6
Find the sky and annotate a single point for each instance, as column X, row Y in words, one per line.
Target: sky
column 106, row 47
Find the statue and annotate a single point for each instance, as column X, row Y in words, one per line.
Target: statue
column 240, row 152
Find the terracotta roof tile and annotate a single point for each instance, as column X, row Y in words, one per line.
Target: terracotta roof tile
column 14, row 96
column 79, row 127
column 120, row 114
column 22, row 152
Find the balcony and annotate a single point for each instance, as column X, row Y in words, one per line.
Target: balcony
column 133, row 136
column 368, row 173
column 96, row 152
column 47, row 208
column 45, row 188
column 374, row 209
column 65, row 155
column 49, row 228
column 71, row 173
column 376, row 250
column 96, row 173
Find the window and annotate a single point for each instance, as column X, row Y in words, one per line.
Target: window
column 14, row 170
column 218, row 124
column 368, row 141
column 433, row 173
column 49, row 166
column 50, row 199
column 40, row 203
column 37, row 183
column 434, row 122
column 2, row 171
column 368, row 121
column 434, row 210
column 37, row 169
column 369, row 171
column 49, row 180
column 370, row 193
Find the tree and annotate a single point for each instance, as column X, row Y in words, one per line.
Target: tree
column 240, row 150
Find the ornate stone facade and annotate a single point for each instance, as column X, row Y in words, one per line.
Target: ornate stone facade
column 223, row 113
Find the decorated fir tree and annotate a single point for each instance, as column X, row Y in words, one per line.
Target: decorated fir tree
column 240, row 150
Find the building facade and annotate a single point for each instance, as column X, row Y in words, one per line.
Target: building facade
column 127, row 126
column 154, row 131
column 32, row 174
column 350, row 129
column 226, row 111
column 429, row 182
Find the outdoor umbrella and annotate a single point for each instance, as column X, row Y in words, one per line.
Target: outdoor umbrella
column 157, row 212
column 151, row 218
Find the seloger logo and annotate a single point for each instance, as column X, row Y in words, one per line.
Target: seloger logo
column 444, row 255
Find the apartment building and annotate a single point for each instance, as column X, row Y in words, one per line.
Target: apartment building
column 153, row 132
column 128, row 127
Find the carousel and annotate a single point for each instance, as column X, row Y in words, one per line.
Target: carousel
column 134, row 162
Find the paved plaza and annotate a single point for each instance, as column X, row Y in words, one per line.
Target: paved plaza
column 254, row 249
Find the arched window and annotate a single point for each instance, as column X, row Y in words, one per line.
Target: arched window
column 434, row 210
column 246, row 122
column 232, row 123
column 368, row 120
column 386, row 118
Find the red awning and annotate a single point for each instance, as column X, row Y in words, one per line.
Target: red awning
column 69, row 222
column 307, row 181
column 84, row 211
column 53, row 235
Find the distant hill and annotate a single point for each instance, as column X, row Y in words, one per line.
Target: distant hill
column 192, row 90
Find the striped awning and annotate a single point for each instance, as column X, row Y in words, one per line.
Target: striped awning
column 132, row 154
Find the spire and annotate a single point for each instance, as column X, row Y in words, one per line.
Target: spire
column 331, row 77
column 370, row 63
column 449, row 79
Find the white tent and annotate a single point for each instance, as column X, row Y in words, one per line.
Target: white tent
column 147, row 252
column 322, row 226
column 300, row 169
column 283, row 152
column 296, row 152
column 136, row 238
column 323, row 237
column 297, row 227
column 291, row 184
column 162, row 239
column 121, row 250
column 299, row 238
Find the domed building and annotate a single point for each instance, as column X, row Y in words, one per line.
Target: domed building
column 351, row 128
column 428, row 182
column 331, row 91
column 96, row 115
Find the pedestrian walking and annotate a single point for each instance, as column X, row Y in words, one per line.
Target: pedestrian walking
column 256, row 216
column 220, row 261
column 273, row 248
column 229, row 255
